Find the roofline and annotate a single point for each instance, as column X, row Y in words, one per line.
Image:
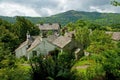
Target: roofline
column 62, row 47
column 32, row 48
column 19, row 46
column 53, row 44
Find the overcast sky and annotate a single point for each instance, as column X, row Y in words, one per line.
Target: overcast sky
column 50, row 7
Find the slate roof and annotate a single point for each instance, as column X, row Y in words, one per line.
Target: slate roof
column 22, row 45
column 35, row 43
column 51, row 38
column 54, row 26
column 62, row 41
column 70, row 34
column 115, row 35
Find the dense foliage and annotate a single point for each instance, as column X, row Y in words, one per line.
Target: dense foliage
column 102, row 63
column 104, row 53
column 11, row 36
column 56, row 67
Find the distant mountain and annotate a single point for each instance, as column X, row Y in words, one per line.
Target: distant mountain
column 72, row 16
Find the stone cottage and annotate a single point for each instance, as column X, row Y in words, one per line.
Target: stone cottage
column 34, row 46
column 46, row 29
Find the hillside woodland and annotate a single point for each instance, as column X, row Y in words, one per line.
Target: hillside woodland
column 102, row 63
column 111, row 19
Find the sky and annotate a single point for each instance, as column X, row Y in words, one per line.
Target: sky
column 43, row 8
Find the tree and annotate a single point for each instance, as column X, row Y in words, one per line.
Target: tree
column 100, row 41
column 115, row 3
column 70, row 26
column 82, row 23
column 94, row 26
column 23, row 25
column 112, row 64
column 51, row 67
column 7, row 37
column 9, row 67
column 82, row 37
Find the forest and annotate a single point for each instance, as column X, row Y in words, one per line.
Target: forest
column 103, row 63
column 111, row 19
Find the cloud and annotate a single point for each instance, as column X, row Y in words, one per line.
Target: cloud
column 105, row 9
column 98, row 9
column 51, row 7
column 13, row 9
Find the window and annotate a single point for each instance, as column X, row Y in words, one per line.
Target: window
column 34, row 53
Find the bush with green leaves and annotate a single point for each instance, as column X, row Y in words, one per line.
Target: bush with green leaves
column 51, row 67
column 112, row 64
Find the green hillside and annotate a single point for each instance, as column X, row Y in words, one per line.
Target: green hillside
column 72, row 16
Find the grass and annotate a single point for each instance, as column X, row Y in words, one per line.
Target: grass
column 80, row 66
column 84, row 62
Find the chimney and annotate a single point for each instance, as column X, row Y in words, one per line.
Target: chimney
column 29, row 39
column 28, row 35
